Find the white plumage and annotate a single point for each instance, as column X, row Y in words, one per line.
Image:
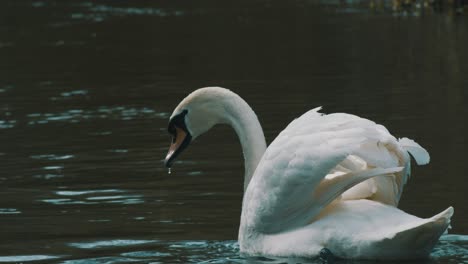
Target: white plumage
column 329, row 181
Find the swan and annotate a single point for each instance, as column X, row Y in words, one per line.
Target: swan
column 327, row 181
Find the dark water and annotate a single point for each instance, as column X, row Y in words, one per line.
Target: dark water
column 86, row 88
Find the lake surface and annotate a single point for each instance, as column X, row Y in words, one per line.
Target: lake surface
column 86, row 89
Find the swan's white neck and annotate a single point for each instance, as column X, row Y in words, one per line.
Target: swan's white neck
column 244, row 121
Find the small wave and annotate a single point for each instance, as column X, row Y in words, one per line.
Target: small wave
column 99, row 13
column 78, row 115
column 77, row 193
column 5, row 124
column 6, row 87
column 74, row 93
column 115, row 197
column 4, row 211
column 119, row 11
column 65, row 201
column 52, row 157
column 190, row 244
column 82, row 197
column 99, row 220
column 48, row 176
column 146, row 254
column 452, row 247
column 118, row 150
column 194, row 173
column 26, row 258
column 456, row 238
column 101, row 133
column 57, row 167
column 89, row 17
column 119, row 199
column 103, row 260
column 126, row 201
column 110, row 243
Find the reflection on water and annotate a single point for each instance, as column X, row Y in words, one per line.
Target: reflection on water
column 86, row 88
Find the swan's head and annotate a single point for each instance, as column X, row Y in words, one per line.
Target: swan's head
column 195, row 115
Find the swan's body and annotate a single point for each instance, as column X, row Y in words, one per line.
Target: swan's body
column 327, row 181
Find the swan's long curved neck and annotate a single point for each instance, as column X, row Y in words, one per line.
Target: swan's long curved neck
column 244, row 121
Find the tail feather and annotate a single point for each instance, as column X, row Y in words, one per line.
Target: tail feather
column 416, row 241
column 420, row 155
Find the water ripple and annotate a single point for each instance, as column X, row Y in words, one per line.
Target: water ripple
column 65, row 201
column 4, row 211
column 83, row 197
column 115, row 197
column 99, row 13
column 48, row 176
column 103, row 260
column 57, row 167
column 119, row 11
column 4, row 124
column 74, row 93
column 146, row 254
column 70, row 94
column 450, row 249
column 76, row 193
column 26, row 258
column 78, row 115
column 107, row 197
column 6, row 87
column 52, row 157
column 456, row 238
column 110, row 243
column 118, row 150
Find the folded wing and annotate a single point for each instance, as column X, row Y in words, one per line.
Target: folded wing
column 319, row 158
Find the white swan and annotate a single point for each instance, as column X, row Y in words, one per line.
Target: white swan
column 327, row 181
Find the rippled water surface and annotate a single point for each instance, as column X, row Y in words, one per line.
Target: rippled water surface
column 86, row 89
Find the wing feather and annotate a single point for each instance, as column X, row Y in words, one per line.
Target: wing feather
column 316, row 159
column 329, row 189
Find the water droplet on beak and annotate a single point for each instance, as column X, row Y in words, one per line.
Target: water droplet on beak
column 169, row 171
